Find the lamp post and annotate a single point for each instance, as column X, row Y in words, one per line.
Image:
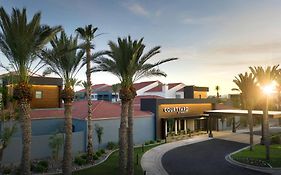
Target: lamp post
column 268, row 90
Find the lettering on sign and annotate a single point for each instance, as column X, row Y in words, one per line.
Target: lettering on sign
column 176, row 109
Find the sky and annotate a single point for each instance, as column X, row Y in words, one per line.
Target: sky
column 214, row 40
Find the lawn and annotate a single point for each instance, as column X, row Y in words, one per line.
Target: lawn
column 110, row 166
column 257, row 156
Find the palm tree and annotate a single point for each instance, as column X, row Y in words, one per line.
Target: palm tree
column 87, row 34
column 218, row 94
column 248, row 88
column 65, row 60
column 20, row 41
column 278, row 80
column 265, row 77
column 128, row 62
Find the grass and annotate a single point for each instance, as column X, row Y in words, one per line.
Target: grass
column 110, row 166
column 257, row 156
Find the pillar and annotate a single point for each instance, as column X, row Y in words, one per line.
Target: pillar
column 166, row 128
column 233, row 124
column 176, row 126
column 210, row 127
column 185, row 128
column 179, row 123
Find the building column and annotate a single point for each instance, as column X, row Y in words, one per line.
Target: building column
column 233, row 124
column 185, row 129
column 166, row 128
column 179, row 123
column 211, row 126
column 176, row 126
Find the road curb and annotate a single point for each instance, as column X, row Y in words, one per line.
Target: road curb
column 230, row 160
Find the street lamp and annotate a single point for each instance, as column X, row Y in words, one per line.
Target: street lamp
column 267, row 90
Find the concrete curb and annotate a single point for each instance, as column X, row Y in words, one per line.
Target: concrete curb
column 151, row 161
column 274, row 171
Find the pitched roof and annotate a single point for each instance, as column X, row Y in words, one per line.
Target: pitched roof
column 141, row 85
column 172, row 85
column 159, row 87
column 101, row 110
column 95, row 87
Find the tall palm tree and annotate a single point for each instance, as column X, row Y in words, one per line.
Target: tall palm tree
column 248, row 88
column 65, row 60
column 20, row 41
column 129, row 63
column 87, row 34
column 265, row 77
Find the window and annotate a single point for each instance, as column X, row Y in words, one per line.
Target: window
column 38, row 94
column 178, row 96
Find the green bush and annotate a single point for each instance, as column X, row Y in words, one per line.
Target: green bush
column 158, row 140
column 98, row 154
column 6, row 170
column 146, row 143
column 40, row 168
column 95, row 157
column 102, row 151
column 84, row 156
column 111, row 146
column 44, row 163
column 276, row 139
column 79, row 161
column 151, row 141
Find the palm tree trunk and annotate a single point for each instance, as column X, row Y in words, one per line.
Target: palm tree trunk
column 67, row 157
column 89, row 92
column 24, row 110
column 123, row 137
column 250, row 118
column 130, row 162
column 266, row 130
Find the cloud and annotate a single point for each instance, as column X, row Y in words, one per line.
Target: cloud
column 137, row 9
column 266, row 47
column 201, row 20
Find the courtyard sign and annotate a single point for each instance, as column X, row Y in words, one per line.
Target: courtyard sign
column 176, row 109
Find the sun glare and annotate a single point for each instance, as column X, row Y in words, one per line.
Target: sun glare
column 269, row 89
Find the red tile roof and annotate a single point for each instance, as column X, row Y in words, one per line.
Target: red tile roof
column 95, row 87
column 141, row 85
column 180, row 90
column 172, row 85
column 156, row 89
column 101, row 110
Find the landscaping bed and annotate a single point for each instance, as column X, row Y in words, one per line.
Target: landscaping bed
column 257, row 156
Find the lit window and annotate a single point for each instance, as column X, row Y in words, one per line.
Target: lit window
column 38, row 94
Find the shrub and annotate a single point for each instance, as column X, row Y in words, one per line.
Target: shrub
column 43, row 163
column 84, row 156
column 79, row 161
column 98, row 153
column 276, row 139
column 6, row 170
column 111, row 145
column 159, row 140
column 95, row 157
column 102, row 151
column 40, row 168
column 151, row 141
column 146, row 143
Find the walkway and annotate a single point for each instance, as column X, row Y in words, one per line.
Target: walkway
column 151, row 160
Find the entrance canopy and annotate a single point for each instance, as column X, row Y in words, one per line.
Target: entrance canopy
column 271, row 114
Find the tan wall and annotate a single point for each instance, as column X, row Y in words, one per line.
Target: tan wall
column 202, row 93
column 50, row 98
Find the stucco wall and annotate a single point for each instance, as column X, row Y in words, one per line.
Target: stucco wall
column 144, row 129
column 39, row 147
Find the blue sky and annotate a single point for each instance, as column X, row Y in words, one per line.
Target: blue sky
column 215, row 40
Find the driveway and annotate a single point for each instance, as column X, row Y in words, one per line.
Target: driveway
column 207, row 157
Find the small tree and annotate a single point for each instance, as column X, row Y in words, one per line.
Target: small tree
column 56, row 143
column 99, row 131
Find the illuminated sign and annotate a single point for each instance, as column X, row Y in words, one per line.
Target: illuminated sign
column 178, row 110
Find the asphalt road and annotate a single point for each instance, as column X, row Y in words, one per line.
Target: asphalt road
column 204, row 158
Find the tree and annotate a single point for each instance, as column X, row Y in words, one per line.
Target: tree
column 56, row 143
column 129, row 63
column 65, row 60
column 218, row 94
column 265, row 77
column 248, row 88
column 99, row 131
column 278, row 80
column 115, row 89
column 20, row 41
column 88, row 34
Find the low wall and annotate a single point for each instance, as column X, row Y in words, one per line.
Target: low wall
column 39, row 147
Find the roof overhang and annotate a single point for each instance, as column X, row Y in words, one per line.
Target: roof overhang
column 231, row 112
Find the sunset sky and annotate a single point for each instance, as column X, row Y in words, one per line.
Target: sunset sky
column 215, row 40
